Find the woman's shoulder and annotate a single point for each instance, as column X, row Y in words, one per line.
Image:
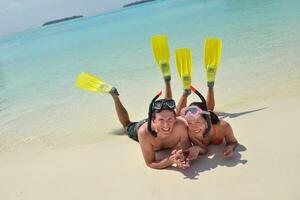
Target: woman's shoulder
column 224, row 123
column 221, row 125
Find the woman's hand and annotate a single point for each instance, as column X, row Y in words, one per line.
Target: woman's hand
column 193, row 152
column 228, row 151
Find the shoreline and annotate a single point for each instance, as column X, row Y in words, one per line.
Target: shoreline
column 49, row 131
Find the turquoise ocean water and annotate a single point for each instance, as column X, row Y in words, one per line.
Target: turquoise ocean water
column 40, row 106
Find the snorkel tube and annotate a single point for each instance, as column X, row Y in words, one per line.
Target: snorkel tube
column 205, row 134
column 153, row 133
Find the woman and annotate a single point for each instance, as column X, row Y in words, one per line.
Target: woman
column 204, row 126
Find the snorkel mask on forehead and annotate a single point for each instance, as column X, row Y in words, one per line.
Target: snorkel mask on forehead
column 195, row 110
column 157, row 106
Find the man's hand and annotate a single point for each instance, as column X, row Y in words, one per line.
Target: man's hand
column 228, row 151
column 177, row 157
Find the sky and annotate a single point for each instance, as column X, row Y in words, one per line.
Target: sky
column 19, row 15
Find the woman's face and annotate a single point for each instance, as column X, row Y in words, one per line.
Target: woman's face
column 196, row 124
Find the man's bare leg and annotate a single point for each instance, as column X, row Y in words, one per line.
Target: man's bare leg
column 168, row 90
column 210, row 99
column 120, row 109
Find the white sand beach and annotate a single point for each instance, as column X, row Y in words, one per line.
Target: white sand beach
column 265, row 165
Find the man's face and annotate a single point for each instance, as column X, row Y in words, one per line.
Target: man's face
column 164, row 122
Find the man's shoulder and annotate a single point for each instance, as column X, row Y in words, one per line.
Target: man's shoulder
column 180, row 122
column 180, row 127
column 143, row 131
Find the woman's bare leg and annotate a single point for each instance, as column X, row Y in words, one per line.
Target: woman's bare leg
column 181, row 103
column 210, row 99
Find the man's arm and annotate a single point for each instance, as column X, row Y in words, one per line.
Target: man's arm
column 149, row 154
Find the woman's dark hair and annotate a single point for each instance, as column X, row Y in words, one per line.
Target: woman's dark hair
column 213, row 116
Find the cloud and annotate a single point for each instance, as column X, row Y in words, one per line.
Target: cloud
column 8, row 4
column 18, row 15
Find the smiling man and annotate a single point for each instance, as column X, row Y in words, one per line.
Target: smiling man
column 162, row 130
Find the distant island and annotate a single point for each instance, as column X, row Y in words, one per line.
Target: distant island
column 136, row 3
column 62, row 20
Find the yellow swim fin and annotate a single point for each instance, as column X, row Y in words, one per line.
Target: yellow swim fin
column 212, row 57
column 160, row 50
column 92, row 83
column 184, row 67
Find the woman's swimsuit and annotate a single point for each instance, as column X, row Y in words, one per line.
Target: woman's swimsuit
column 217, row 141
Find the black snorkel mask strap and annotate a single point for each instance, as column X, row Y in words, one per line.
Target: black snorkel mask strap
column 205, row 134
column 153, row 133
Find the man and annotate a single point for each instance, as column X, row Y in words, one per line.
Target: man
column 162, row 130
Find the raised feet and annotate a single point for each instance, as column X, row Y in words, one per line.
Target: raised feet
column 165, row 70
column 186, row 81
column 211, row 75
column 113, row 91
